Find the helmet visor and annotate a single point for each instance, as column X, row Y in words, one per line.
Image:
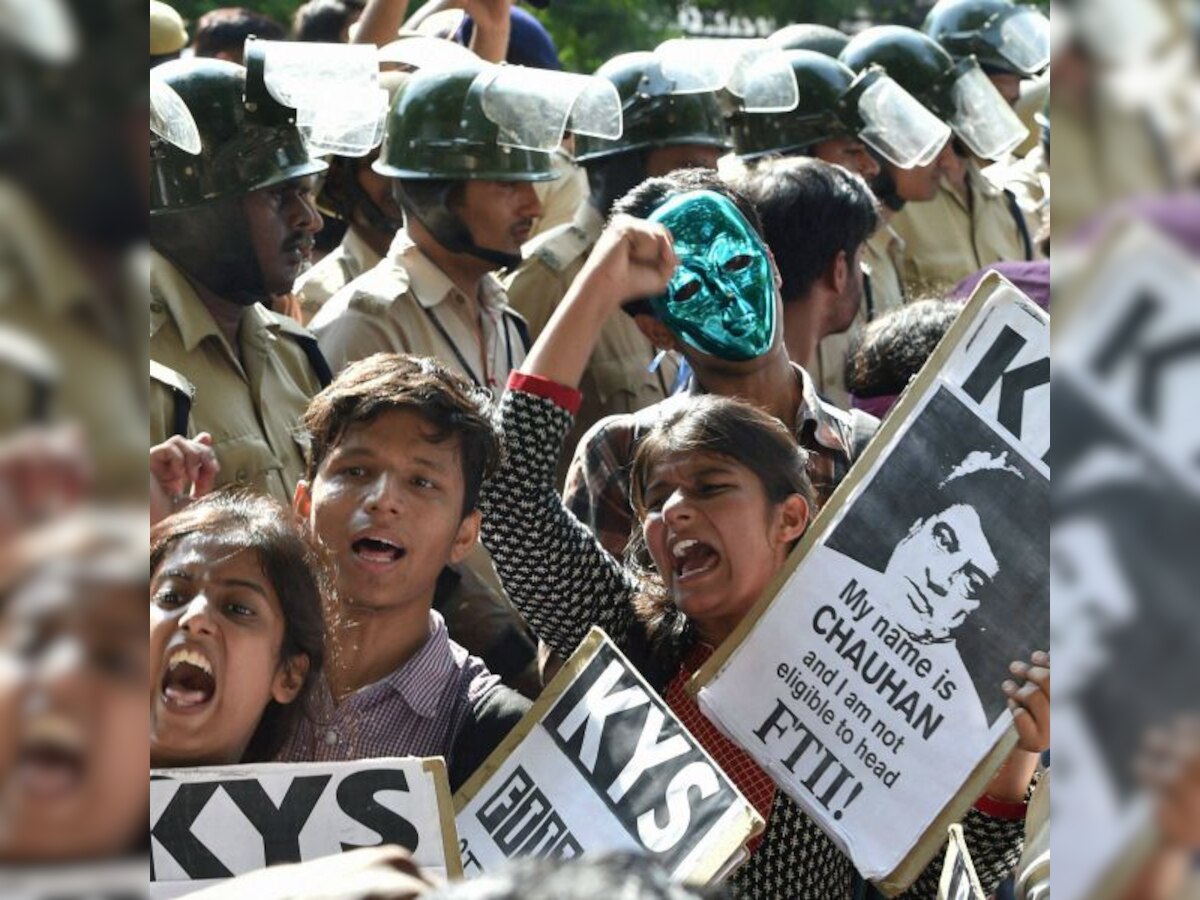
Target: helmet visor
column 897, row 126
column 534, row 107
column 1024, row 40
column 171, row 119
column 754, row 71
column 420, row 52
column 982, row 117
column 334, row 88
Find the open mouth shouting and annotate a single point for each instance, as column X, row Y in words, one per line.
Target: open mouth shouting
column 377, row 551
column 188, row 684
column 691, row 559
column 52, row 758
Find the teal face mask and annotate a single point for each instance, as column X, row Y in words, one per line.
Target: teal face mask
column 721, row 299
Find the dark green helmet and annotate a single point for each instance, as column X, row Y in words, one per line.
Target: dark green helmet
column 652, row 114
column 438, row 129
column 818, row 38
column 1002, row 35
column 248, row 139
column 824, row 111
column 958, row 93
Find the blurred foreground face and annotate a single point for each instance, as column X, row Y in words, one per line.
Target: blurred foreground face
column 72, row 700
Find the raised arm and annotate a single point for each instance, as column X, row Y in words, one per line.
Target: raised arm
column 560, row 578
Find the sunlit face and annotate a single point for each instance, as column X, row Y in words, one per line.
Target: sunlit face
column 939, row 573
column 1089, row 596
column 721, row 299
column 715, row 538
column 73, row 758
column 216, row 631
column 499, row 214
column 386, row 504
column 849, row 153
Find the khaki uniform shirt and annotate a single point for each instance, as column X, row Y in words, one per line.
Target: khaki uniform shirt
column 1028, row 180
column 883, row 291
column 946, row 240
column 89, row 365
column 406, row 304
column 562, row 197
column 250, row 405
column 618, row 379
column 347, row 261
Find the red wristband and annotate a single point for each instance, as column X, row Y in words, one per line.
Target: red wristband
column 559, row 394
column 1001, row 809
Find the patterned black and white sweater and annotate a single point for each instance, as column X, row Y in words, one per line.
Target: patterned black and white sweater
column 564, row 582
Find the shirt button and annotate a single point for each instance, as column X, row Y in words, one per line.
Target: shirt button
column 242, row 476
column 155, row 306
column 331, row 738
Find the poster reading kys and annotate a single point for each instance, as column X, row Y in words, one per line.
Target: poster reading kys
column 600, row 763
column 868, row 680
column 209, row 824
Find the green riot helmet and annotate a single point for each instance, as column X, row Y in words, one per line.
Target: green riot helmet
column 959, row 94
column 834, row 102
column 1004, row 36
column 818, row 38
column 248, row 140
column 653, row 113
column 478, row 121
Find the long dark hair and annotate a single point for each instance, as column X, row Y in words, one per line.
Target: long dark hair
column 259, row 524
column 723, row 427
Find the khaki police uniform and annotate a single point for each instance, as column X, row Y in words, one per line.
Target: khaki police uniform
column 343, row 264
column 171, row 398
column 560, row 198
column 1028, row 180
column 406, row 304
column 946, row 238
column 251, row 400
column 883, row 291
column 90, row 370
column 618, row 377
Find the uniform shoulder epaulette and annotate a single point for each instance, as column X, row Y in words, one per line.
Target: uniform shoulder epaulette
column 561, row 246
column 172, row 380
column 375, row 290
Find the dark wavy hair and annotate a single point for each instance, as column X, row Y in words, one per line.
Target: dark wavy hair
column 723, row 427
column 252, row 522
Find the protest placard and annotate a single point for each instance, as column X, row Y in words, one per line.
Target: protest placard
column 600, row 763
column 959, row 881
column 1124, row 566
column 208, row 824
column 867, row 679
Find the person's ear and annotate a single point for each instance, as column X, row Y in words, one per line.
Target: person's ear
column 289, row 679
column 839, row 273
column 775, row 275
column 467, row 537
column 792, row 518
column 657, row 333
column 302, row 500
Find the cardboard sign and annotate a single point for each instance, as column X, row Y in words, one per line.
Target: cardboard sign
column 600, row 763
column 959, row 881
column 867, row 680
column 209, row 824
column 1126, row 379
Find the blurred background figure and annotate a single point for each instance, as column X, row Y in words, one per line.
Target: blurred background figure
column 222, row 33
column 167, row 33
column 328, row 21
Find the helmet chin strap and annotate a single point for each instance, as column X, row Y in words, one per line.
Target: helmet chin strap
column 884, row 185
column 429, row 203
column 212, row 244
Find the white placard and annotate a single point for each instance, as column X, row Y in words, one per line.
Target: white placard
column 209, row 824
column 867, row 681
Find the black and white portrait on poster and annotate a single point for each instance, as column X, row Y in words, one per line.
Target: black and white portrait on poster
column 869, row 682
